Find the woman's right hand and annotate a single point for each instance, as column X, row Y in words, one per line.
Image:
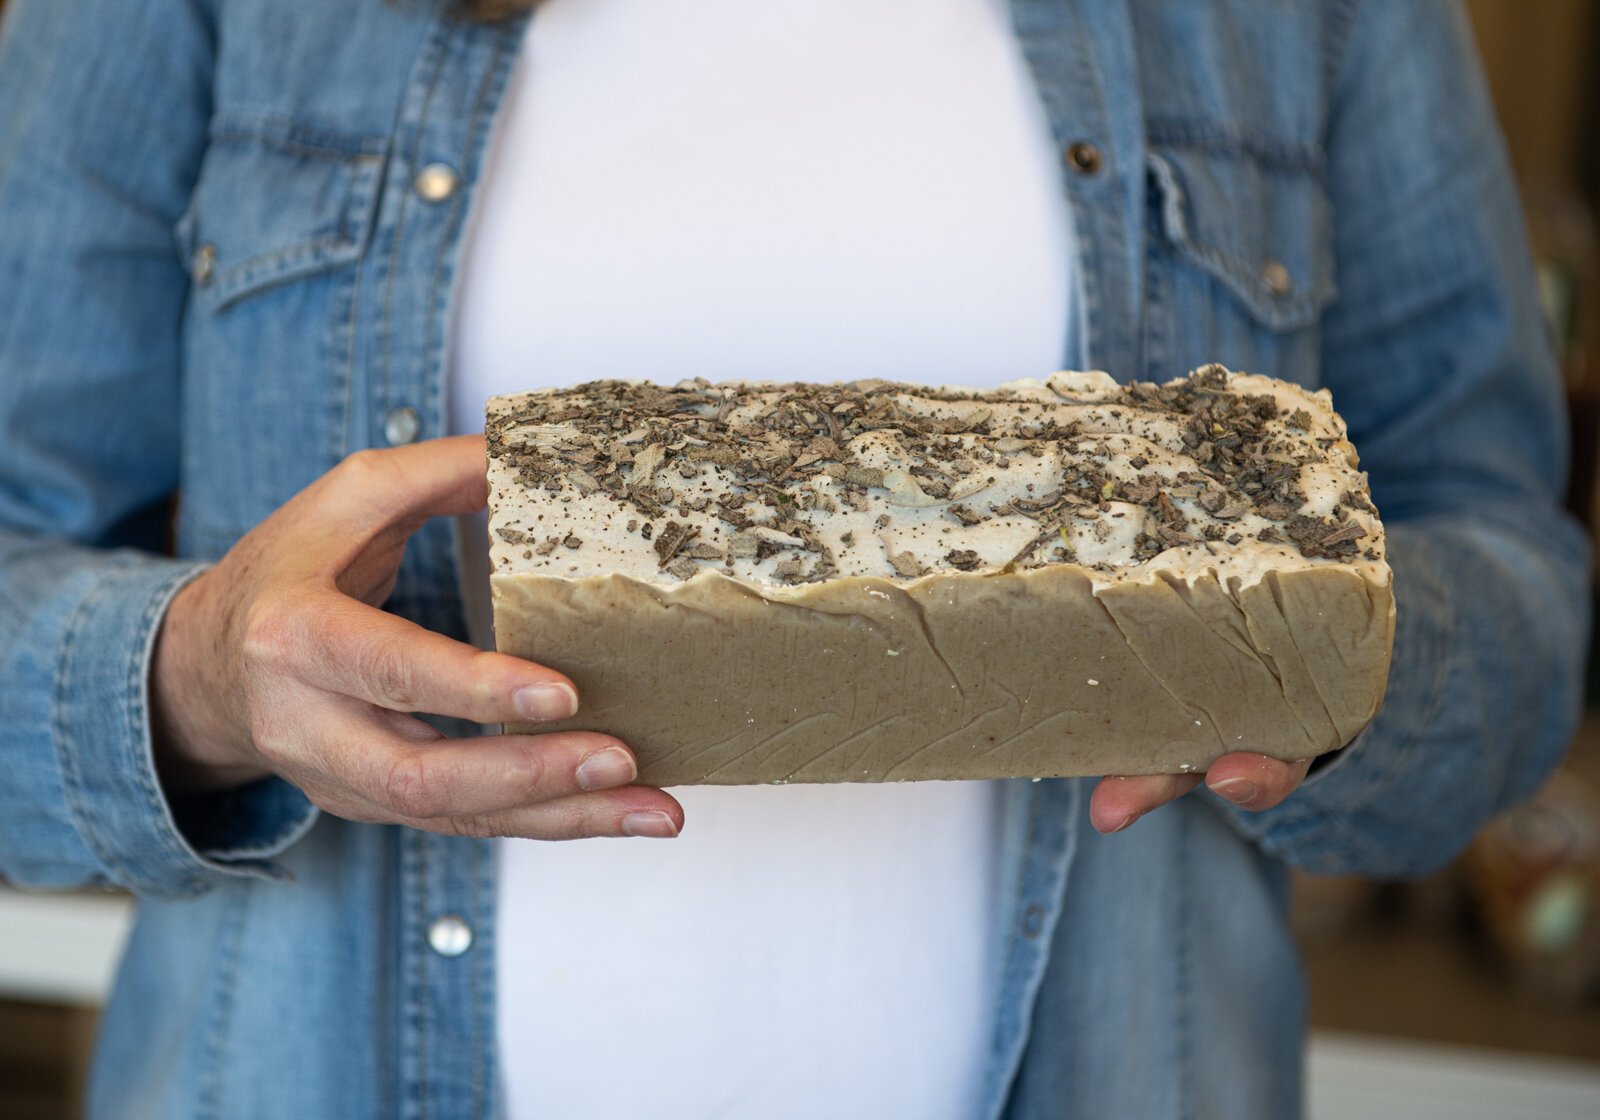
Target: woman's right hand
column 279, row 661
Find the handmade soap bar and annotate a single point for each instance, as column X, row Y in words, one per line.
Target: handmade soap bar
column 870, row 581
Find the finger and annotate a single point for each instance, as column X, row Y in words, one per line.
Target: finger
column 400, row 778
column 372, row 501
column 1254, row 781
column 355, row 650
column 399, row 488
column 1117, row 802
column 633, row 811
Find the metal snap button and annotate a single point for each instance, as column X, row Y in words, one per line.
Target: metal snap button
column 449, row 935
column 1275, row 274
column 204, row 264
column 1083, row 157
column 401, row 425
column 437, row 182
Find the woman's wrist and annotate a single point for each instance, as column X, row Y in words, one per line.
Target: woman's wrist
column 193, row 747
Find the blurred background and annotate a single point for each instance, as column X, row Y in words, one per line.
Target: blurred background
column 1473, row 994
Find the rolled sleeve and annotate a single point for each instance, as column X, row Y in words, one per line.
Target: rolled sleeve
column 108, row 103
column 1437, row 357
column 100, row 726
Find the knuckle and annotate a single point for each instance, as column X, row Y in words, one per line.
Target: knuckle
column 372, row 474
column 264, row 735
column 484, row 690
column 389, row 671
column 476, row 827
column 363, row 466
column 535, row 774
column 269, row 636
column 411, row 788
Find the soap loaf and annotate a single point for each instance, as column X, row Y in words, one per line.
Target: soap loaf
column 875, row 581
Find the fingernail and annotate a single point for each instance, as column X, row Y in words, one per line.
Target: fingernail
column 545, row 701
column 1240, row 791
column 656, row 825
column 1126, row 821
column 607, row 769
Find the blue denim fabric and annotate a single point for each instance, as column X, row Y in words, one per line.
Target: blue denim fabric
column 217, row 279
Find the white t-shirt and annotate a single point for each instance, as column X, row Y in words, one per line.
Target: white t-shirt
column 819, row 191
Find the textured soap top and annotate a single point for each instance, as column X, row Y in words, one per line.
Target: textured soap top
column 785, row 484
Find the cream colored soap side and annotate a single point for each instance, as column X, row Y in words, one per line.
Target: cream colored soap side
column 953, row 676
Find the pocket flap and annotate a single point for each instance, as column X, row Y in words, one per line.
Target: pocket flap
column 275, row 203
column 1262, row 231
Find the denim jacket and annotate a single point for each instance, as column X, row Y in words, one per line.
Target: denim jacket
column 223, row 269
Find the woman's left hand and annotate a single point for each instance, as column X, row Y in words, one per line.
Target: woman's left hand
column 1250, row 781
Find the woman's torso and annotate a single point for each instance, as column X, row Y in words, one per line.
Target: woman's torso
column 325, row 267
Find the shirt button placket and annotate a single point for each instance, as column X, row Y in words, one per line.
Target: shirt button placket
column 434, row 183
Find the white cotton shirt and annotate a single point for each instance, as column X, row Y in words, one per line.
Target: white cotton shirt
column 818, row 191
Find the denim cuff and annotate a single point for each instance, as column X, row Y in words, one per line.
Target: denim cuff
column 143, row 839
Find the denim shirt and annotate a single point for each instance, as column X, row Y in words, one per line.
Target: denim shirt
column 223, row 269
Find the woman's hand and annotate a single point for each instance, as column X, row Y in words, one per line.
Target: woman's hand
column 278, row 661
column 1250, row 781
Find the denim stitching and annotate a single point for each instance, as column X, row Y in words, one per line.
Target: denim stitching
column 1241, row 276
column 340, row 245
column 1153, row 342
column 280, row 266
column 343, row 328
column 489, row 878
column 1003, row 1078
column 492, row 86
column 71, row 780
column 1092, row 263
column 1341, row 29
column 294, row 136
column 1204, row 136
column 425, row 994
column 230, row 938
column 139, row 728
column 1182, row 1024
column 475, row 986
column 1243, row 282
column 65, row 757
column 343, row 333
column 437, row 50
column 342, row 436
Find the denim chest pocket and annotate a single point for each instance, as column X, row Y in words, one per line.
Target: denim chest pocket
column 1241, row 265
column 277, row 227
column 276, row 202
